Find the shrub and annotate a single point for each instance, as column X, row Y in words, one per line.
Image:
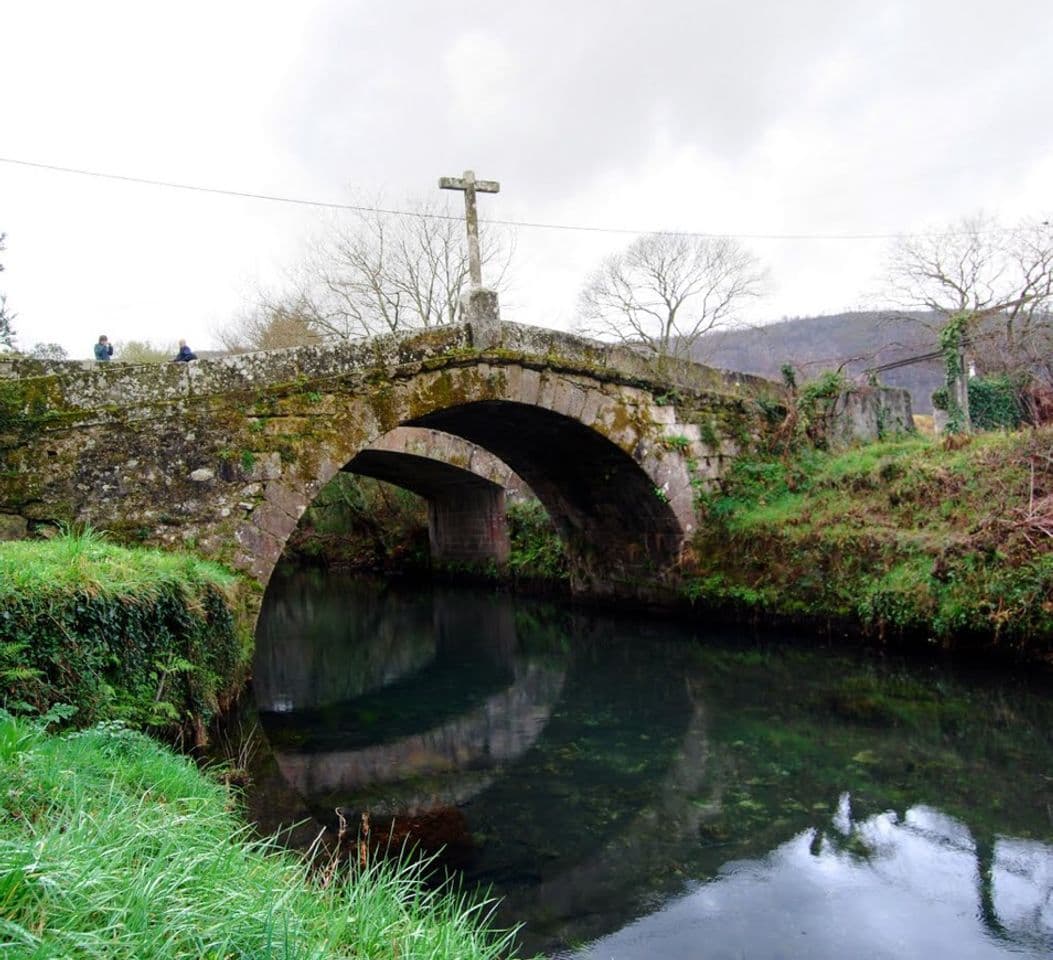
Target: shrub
column 994, row 403
column 536, row 548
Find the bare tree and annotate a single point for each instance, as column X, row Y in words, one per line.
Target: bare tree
column 999, row 278
column 272, row 325
column 665, row 292
column 143, row 351
column 379, row 273
column 48, row 351
column 7, row 332
column 988, row 290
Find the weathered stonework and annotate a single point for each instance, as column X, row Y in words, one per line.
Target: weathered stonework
column 224, row 455
column 13, row 527
column 868, row 413
column 444, row 448
column 463, row 485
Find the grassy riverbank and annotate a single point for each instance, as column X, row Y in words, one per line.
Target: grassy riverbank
column 901, row 536
column 145, row 636
column 112, row 846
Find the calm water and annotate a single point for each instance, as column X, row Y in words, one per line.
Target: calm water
column 634, row 789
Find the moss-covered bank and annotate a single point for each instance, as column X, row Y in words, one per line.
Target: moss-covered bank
column 111, row 846
column 146, row 636
column 902, row 536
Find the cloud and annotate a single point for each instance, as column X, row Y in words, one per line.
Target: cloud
column 481, row 72
column 751, row 117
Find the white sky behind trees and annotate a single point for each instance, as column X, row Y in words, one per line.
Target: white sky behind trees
column 737, row 116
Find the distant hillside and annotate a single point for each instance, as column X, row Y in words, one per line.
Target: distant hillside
column 813, row 344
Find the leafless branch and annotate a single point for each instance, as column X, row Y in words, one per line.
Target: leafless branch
column 1002, row 278
column 665, row 292
column 372, row 273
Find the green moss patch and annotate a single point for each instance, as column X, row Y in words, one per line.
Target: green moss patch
column 141, row 635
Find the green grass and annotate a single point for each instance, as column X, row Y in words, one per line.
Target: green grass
column 900, row 534
column 151, row 637
column 111, row 846
column 84, row 562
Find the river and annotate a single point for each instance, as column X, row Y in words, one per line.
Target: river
column 638, row 788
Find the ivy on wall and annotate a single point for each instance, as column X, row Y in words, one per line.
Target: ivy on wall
column 994, row 402
column 950, row 339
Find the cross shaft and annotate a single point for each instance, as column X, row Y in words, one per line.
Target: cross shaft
column 471, row 186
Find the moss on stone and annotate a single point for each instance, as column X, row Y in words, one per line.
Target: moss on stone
column 128, row 467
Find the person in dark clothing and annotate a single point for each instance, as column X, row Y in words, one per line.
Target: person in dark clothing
column 185, row 354
column 103, row 350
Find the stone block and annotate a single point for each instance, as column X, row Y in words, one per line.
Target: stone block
column 663, row 415
column 548, row 389
column 260, row 550
column 274, row 521
column 863, row 415
column 594, row 406
column 481, row 311
column 13, row 527
column 529, row 387
column 568, row 398
column 290, row 501
column 266, row 466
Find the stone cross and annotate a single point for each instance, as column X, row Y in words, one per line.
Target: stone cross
column 471, row 186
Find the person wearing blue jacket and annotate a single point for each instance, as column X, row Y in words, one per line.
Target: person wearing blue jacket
column 185, row 354
column 103, row 350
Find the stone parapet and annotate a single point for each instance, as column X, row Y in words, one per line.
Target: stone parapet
column 86, row 384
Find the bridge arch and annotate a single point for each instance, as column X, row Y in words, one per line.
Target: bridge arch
column 601, row 500
column 605, row 502
column 593, row 452
column 464, row 487
column 225, row 455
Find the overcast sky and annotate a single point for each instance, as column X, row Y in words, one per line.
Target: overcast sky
column 742, row 117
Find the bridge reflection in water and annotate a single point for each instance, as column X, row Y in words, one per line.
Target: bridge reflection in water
column 542, row 768
column 595, row 772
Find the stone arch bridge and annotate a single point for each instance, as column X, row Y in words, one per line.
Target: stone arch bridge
column 224, row 455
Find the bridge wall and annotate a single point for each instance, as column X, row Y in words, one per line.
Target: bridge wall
column 469, row 526
column 223, row 456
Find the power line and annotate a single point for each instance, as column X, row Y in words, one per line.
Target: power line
column 217, row 190
column 528, row 224
column 973, row 341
